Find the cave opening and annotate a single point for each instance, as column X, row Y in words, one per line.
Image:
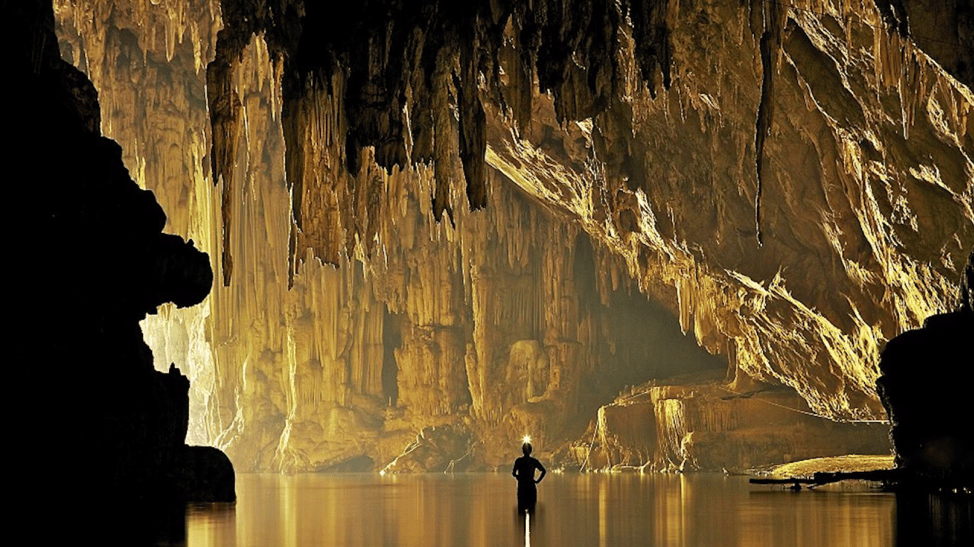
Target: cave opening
column 636, row 339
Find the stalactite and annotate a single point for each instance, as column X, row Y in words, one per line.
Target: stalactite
column 655, row 176
column 773, row 16
column 421, row 61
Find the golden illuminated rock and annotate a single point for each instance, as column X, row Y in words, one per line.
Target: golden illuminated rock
column 490, row 219
column 699, row 423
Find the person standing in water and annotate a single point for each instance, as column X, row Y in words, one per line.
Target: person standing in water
column 527, row 491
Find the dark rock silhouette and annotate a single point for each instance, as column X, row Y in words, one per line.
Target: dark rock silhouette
column 924, row 388
column 206, row 474
column 86, row 260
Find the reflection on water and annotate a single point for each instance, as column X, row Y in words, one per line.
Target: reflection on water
column 573, row 510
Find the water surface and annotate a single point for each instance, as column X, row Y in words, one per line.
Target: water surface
column 573, row 510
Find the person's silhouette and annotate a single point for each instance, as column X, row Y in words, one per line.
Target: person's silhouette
column 527, row 491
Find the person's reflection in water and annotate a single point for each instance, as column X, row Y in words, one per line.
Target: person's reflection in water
column 527, row 491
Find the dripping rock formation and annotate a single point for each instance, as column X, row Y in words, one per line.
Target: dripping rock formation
column 440, row 226
column 87, row 261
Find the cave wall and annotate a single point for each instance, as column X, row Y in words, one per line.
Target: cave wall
column 792, row 183
column 864, row 227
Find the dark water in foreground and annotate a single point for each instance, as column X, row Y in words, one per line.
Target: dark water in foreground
column 573, row 510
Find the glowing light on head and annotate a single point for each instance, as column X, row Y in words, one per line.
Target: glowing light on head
column 526, row 439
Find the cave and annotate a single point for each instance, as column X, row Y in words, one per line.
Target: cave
column 658, row 236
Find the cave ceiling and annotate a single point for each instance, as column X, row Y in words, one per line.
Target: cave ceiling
column 422, row 210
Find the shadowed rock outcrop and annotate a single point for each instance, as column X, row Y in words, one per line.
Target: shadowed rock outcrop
column 925, row 388
column 88, row 260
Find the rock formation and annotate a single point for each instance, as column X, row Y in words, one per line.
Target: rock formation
column 923, row 388
column 700, row 423
column 487, row 217
column 88, row 260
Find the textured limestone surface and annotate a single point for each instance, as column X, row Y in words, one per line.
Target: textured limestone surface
column 698, row 423
column 494, row 217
